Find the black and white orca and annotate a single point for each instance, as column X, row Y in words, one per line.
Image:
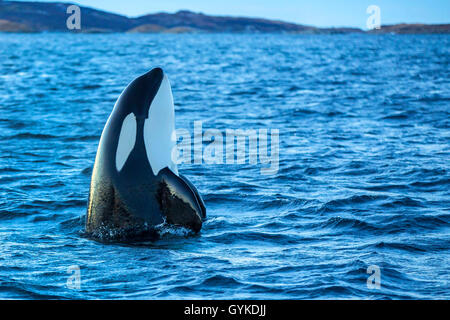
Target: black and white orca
column 135, row 183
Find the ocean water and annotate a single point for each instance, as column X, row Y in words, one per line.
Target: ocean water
column 363, row 179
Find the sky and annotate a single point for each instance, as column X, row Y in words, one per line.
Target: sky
column 321, row 13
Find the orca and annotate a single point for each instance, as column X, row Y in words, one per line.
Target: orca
column 135, row 184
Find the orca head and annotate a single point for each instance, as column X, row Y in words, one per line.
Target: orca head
column 146, row 124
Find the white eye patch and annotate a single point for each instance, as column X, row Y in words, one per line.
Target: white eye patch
column 127, row 140
column 159, row 130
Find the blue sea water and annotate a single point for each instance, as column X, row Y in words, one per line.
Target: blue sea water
column 363, row 179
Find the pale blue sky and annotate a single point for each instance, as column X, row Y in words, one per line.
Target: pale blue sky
column 314, row 12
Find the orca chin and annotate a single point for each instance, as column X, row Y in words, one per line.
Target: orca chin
column 135, row 185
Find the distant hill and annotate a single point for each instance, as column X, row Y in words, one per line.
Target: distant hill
column 413, row 29
column 205, row 23
column 52, row 16
column 18, row 16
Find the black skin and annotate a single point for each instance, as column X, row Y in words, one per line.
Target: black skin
column 133, row 201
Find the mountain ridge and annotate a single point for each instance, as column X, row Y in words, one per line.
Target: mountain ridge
column 16, row 16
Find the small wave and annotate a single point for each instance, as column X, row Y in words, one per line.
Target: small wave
column 73, row 223
column 433, row 98
column 37, row 136
column 315, row 170
column 46, row 217
column 51, row 204
column 409, row 223
column 221, row 281
column 438, row 182
column 335, row 291
column 347, row 223
column 303, row 111
column 401, row 246
column 271, row 202
column 68, row 157
column 15, row 124
column 83, row 138
column 217, row 223
column 361, row 172
column 404, row 115
column 87, row 171
column 18, row 290
column 403, row 202
column 236, row 237
column 91, row 86
column 11, row 214
column 423, row 173
column 219, row 199
column 336, row 204
column 9, row 170
column 387, row 187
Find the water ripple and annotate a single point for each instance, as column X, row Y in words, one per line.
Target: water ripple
column 363, row 166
